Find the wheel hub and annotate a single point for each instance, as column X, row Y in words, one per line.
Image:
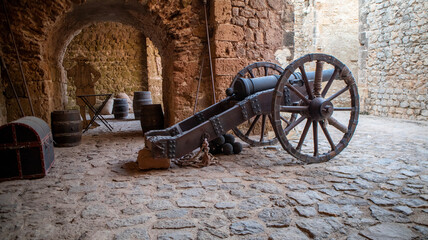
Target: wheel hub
column 320, row 109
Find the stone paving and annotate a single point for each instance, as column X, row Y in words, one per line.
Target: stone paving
column 375, row 189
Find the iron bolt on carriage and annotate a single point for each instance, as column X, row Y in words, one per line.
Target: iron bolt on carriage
column 312, row 113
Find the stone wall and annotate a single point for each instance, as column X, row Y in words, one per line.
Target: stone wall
column 154, row 68
column 44, row 29
column 393, row 57
column 242, row 31
column 327, row 26
column 117, row 51
column 248, row 31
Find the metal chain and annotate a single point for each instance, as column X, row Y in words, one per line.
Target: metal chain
column 201, row 159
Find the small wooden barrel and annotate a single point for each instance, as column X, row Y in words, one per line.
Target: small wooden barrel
column 151, row 117
column 141, row 98
column 120, row 108
column 66, row 128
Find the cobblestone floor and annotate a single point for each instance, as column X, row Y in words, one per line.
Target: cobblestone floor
column 376, row 189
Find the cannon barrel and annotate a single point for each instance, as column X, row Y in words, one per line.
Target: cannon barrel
column 244, row 87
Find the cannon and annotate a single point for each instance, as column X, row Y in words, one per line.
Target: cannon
column 265, row 98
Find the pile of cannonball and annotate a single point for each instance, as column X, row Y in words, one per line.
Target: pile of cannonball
column 225, row 144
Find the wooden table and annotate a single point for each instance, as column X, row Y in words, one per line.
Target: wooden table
column 96, row 110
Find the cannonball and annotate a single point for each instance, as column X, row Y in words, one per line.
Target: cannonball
column 229, row 138
column 215, row 149
column 237, row 147
column 218, row 141
column 227, row 148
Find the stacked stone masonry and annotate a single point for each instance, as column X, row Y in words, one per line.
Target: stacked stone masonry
column 115, row 50
column 391, row 69
column 247, row 31
column 44, row 30
column 393, row 62
column 326, row 26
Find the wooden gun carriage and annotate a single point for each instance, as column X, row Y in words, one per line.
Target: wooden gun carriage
column 264, row 97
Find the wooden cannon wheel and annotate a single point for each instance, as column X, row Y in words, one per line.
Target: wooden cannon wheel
column 254, row 131
column 324, row 105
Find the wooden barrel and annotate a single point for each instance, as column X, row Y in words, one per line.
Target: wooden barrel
column 120, row 108
column 66, row 128
column 141, row 98
column 151, row 117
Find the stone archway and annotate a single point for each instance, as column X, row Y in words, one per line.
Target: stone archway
column 126, row 59
column 43, row 29
column 132, row 14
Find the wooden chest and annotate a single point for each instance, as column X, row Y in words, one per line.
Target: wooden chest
column 26, row 149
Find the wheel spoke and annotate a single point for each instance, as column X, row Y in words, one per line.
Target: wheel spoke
column 337, row 94
column 318, row 79
column 304, row 133
column 252, row 125
column 293, row 117
column 333, row 122
column 327, row 134
column 306, row 81
column 250, row 71
column 249, row 130
column 298, row 93
column 285, row 120
column 343, row 108
column 270, row 119
column 330, row 81
column 315, row 132
column 262, row 135
column 294, row 124
column 293, row 109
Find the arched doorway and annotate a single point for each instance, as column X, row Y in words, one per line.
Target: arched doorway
column 131, row 14
column 126, row 59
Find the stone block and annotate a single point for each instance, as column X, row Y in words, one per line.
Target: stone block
column 222, row 83
column 235, row 11
column 272, row 38
column 258, row 4
column 275, row 4
column 262, row 14
column 222, row 11
column 253, row 23
column 259, row 38
column 227, row 32
column 249, row 35
column 228, row 66
column 240, row 21
column 238, row 3
column 248, row 13
column 146, row 161
column 224, row 49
